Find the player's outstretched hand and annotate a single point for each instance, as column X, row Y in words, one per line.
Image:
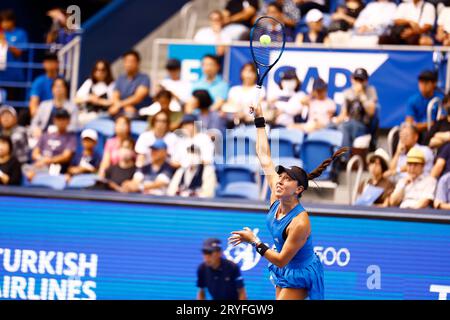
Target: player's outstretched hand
column 245, row 235
column 256, row 110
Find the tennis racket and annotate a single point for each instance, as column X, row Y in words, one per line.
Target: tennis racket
column 261, row 46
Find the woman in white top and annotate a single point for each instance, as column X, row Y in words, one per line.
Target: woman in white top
column 375, row 17
column 443, row 27
column 95, row 94
column 159, row 129
column 242, row 96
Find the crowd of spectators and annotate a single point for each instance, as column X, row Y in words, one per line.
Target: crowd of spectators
column 175, row 155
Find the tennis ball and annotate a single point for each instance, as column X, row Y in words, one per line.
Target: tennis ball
column 265, row 40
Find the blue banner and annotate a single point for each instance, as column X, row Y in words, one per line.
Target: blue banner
column 73, row 249
column 393, row 73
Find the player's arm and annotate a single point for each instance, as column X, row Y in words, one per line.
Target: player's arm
column 242, row 294
column 296, row 238
column 264, row 156
column 201, row 294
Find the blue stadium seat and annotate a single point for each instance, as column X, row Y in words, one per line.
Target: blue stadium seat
column 82, row 181
column 333, row 137
column 246, row 190
column 48, row 181
column 138, row 127
column 313, row 153
column 241, row 142
column 102, row 126
column 289, row 142
column 237, row 173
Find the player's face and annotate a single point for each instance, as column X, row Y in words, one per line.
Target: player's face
column 286, row 187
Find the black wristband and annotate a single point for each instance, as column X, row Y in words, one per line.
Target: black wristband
column 261, row 248
column 260, row 122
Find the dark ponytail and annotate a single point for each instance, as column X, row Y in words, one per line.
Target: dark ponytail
column 321, row 168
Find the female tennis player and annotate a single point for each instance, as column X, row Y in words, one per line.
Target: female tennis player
column 294, row 268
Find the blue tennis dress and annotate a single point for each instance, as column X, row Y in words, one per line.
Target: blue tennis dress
column 305, row 269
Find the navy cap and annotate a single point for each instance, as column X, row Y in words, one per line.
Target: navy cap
column 211, row 245
column 62, row 114
column 295, row 173
column 428, row 75
column 173, row 64
column 188, row 118
column 159, row 145
column 361, row 74
column 288, row 74
column 319, row 84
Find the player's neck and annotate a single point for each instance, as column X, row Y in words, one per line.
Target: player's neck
column 287, row 205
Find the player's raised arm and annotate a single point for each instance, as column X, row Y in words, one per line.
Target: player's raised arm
column 263, row 150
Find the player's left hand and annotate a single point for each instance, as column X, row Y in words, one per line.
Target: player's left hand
column 238, row 237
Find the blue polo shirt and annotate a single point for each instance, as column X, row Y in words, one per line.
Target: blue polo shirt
column 42, row 88
column 222, row 283
column 417, row 107
column 14, row 37
column 127, row 87
column 218, row 88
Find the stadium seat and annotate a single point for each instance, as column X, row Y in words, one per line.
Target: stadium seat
column 246, row 190
column 57, row 182
column 289, row 142
column 241, row 142
column 313, row 153
column 102, row 126
column 138, row 127
column 333, row 137
column 82, row 181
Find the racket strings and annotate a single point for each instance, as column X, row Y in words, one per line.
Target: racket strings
column 271, row 28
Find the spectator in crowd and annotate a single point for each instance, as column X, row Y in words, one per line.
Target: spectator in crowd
column 439, row 133
column 416, row 110
column 43, row 120
column 191, row 135
column 212, row 81
column 122, row 131
column 358, row 109
column 443, row 27
column 164, row 101
column 416, row 189
column 154, row 177
column 375, row 17
column 180, row 89
column 378, row 163
column 275, row 10
column 442, row 164
column 319, row 108
column 409, row 137
column 413, row 21
column 345, row 16
column 60, row 31
column 240, row 97
column 41, row 88
column 132, row 89
column 195, row 180
column 221, row 277
column 11, row 37
column 54, row 150
column 117, row 177
column 316, row 32
column 306, row 5
column 201, row 103
column 286, row 103
column 442, row 199
column 239, row 16
column 213, row 34
column 95, row 95
column 88, row 160
column 17, row 134
column 291, row 13
column 159, row 130
column 10, row 171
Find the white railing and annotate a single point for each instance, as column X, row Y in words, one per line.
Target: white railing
column 69, row 62
column 353, row 187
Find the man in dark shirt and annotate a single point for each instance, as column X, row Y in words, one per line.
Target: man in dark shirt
column 132, row 88
column 439, row 133
column 241, row 12
column 88, row 160
column 10, row 171
column 54, row 151
column 220, row 276
column 442, row 164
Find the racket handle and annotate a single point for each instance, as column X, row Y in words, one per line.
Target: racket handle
column 256, row 101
